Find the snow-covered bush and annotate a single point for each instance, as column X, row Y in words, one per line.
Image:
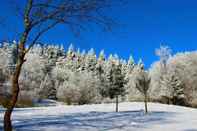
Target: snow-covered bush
column 80, row 88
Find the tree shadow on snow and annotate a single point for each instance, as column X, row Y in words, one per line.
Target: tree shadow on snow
column 94, row 121
column 190, row 130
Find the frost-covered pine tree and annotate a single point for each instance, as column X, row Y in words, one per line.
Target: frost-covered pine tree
column 114, row 80
column 70, row 50
column 79, row 61
column 129, row 67
column 52, row 52
column 124, row 66
column 70, row 63
column 128, row 79
column 90, row 61
column 82, row 64
column 74, row 60
column 173, row 89
column 100, row 66
column 100, row 71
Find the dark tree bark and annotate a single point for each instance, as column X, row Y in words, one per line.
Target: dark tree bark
column 15, row 83
column 12, row 103
column 145, row 103
column 117, row 103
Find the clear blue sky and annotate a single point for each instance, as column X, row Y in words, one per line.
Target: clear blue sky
column 144, row 25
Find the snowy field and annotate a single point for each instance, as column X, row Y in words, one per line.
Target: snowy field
column 102, row 117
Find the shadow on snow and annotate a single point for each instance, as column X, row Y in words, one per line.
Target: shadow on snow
column 93, row 120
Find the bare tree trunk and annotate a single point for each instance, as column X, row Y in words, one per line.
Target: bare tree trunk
column 13, row 100
column 15, row 84
column 145, row 103
column 7, row 121
column 116, row 103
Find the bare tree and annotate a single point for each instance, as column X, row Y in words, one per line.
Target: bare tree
column 164, row 52
column 41, row 16
column 141, row 82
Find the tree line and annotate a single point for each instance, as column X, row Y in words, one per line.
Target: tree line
column 80, row 77
column 172, row 78
column 72, row 76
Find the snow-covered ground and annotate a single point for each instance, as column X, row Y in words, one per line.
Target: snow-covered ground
column 102, row 117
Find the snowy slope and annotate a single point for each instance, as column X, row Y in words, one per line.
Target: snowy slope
column 102, row 117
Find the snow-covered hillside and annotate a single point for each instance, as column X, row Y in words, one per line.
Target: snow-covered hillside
column 102, row 117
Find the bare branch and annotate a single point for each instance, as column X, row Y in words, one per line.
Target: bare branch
column 41, row 33
column 27, row 13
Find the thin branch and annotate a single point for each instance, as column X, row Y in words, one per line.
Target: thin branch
column 41, row 33
column 45, row 6
column 27, row 13
column 50, row 15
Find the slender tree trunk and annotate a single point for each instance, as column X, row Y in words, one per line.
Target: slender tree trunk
column 145, row 103
column 116, row 103
column 15, row 77
column 13, row 100
column 7, row 120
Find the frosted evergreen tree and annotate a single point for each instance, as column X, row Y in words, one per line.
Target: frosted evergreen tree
column 74, row 60
column 60, row 51
column 100, row 64
column 100, row 71
column 71, row 52
column 131, row 61
column 124, row 66
column 38, row 49
column 102, row 56
column 71, row 48
column 173, row 88
column 129, row 67
column 79, row 61
column 115, row 80
column 52, row 57
column 105, row 78
column 90, row 60
column 140, row 63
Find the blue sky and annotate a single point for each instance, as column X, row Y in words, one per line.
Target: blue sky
column 144, row 26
